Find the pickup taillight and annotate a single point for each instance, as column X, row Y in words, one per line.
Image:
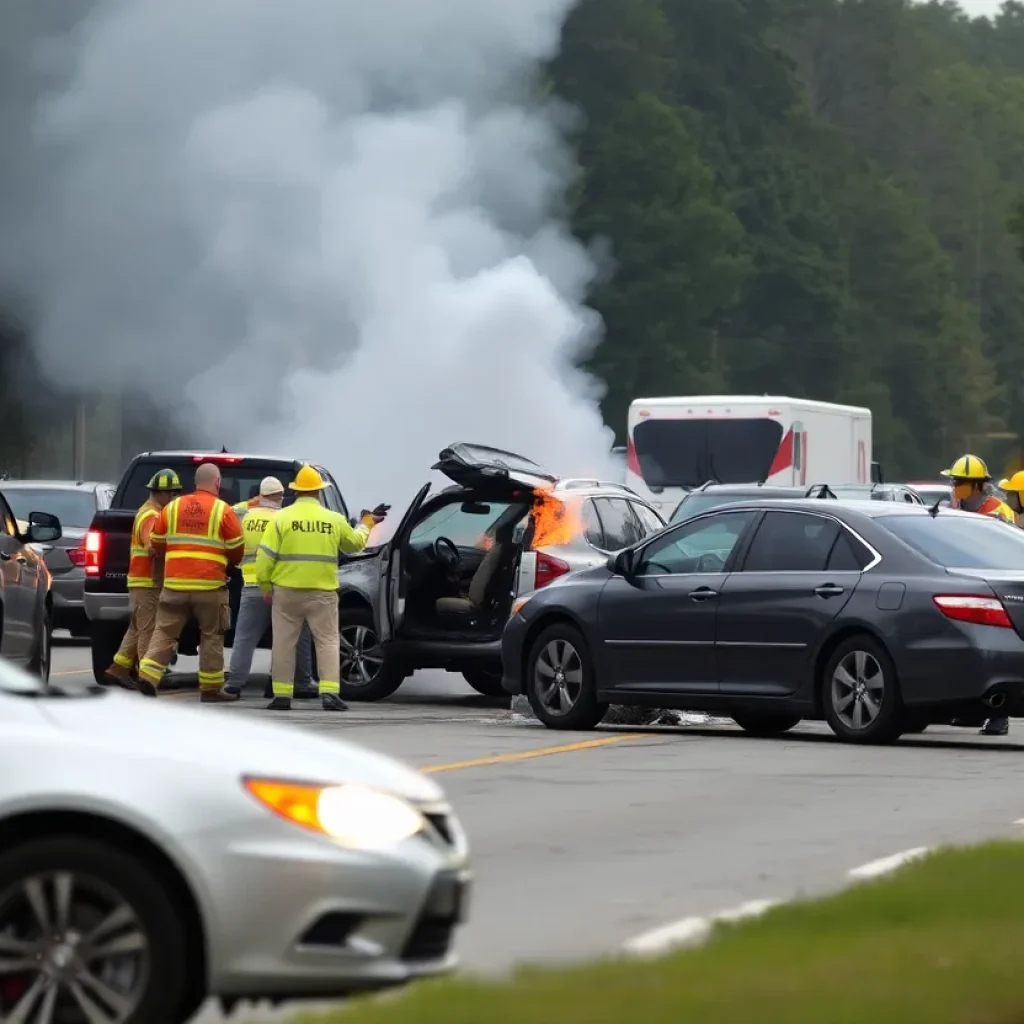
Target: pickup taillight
column 93, row 545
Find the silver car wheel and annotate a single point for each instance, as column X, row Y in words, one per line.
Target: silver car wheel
column 71, row 950
column 361, row 655
column 558, row 677
column 858, row 689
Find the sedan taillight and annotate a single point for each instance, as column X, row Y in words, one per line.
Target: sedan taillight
column 77, row 556
column 975, row 608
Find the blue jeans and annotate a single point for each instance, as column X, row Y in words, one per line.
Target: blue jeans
column 253, row 620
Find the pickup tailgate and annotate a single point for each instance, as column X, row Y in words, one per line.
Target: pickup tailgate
column 108, row 551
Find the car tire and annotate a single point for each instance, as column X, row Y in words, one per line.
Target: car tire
column 766, row 724
column 100, row 878
column 357, row 634
column 42, row 656
column 860, row 666
column 104, row 643
column 486, row 682
column 563, row 644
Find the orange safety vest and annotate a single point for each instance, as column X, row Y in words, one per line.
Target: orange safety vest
column 199, row 535
column 141, row 570
column 992, row 506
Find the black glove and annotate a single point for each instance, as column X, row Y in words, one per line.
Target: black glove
column 377, row 514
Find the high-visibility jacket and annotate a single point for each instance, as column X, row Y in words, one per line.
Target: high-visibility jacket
column 199, row 536
column 992, row 506
column 142, row 572
column 241, row 507
column 301, row 546
column 254, row 527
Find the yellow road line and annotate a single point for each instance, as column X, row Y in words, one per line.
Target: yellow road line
column 526, row 755
column 74, row 672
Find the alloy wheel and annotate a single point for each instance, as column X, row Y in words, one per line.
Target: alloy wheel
column 858, row 689
column 558, row 676
column 361, row 655
column 72, row 951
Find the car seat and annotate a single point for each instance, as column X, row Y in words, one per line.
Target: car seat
column 475, row 600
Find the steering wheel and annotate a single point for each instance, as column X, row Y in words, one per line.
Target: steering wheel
column 710, row 563
column 448, row 555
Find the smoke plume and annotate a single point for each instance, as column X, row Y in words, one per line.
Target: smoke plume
column 319, row 228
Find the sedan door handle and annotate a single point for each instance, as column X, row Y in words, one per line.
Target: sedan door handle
column 704, row 594
column 829, row 590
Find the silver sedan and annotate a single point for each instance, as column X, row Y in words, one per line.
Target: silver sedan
column 152, row 854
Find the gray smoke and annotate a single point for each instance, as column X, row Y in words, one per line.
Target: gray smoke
column 319, row 228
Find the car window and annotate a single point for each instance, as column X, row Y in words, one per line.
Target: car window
column 701, row 546
column 7, row 523
column 73, row 506
column 791, row 542
column 848, row 554
column 593, row 531
column 960, row 541
column 466, row 525
column 650, row 522
column 620, row 528
column 239, row 482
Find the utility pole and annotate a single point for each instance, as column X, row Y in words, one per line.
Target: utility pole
column 78, row 440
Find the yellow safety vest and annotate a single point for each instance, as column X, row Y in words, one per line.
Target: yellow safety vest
column 301, row 546
column 255, row 521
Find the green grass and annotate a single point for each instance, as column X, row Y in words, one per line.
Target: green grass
column 939, row 942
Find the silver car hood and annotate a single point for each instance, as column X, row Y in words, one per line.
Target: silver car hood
column 225, row 740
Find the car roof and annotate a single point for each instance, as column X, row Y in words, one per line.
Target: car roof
column 589, row 486
column 874, row 509
column 766, row 489
column 64, row 485
column 182, row 453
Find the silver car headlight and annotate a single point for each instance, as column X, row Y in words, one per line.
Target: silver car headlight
column 357, row 817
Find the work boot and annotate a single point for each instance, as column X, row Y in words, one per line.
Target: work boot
column 996, row 727
column 145, row 687
column 280, row 704
column 217, row 696
column 118, row 676
column 332, row 702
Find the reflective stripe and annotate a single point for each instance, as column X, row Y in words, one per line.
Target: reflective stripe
column 211, row 680
column 140, row 563
column 197, row 583
column 326, row 687
column 282, row 689
column 329, row 559
column 152, row 670
column 123, row 660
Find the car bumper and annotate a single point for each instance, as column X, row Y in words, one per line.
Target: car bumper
column 513, row 655
column 299, row 917
column 68, row 591
column 107, row 607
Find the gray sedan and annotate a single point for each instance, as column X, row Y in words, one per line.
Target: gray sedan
column 74, row 504
column 153, row 853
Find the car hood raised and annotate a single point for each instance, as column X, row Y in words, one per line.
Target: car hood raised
column 141, row 728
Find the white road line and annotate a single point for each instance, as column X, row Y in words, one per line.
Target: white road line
column 693, row 930
column 882, row 866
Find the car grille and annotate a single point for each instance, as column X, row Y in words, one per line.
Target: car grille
column 431, row 938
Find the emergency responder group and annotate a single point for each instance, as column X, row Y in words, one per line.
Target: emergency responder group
column 182, row 546
column 972, row 492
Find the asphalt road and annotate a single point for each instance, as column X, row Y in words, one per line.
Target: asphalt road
column 581, row 842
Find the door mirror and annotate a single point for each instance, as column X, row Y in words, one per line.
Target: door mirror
column 42, row 528
column 621, row 563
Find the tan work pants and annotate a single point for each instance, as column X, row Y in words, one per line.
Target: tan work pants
column 142, row 601
column 291, row 608
column 211, row 611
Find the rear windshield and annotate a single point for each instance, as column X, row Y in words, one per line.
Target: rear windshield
column 238, row 482
column 961, row 542
column 688, row 453
column 702, row 502
column 73, row 507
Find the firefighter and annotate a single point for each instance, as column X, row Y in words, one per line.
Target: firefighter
column 145, row 576
column 253, row 611
column 970, row 477
column 297, row 570
column 199, row 536
column 1013, row 487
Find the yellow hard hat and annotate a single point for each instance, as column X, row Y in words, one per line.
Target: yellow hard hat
column 307, row 479
column 967, row 467
column 1013, row 483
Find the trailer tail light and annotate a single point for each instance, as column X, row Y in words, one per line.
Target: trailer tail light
column 218, row 460
column 548, row 569
column 974, row 608
column 78, row 556
column 93, row 544
column 632, row 461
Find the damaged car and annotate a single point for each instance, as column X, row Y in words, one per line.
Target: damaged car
column 438, row 593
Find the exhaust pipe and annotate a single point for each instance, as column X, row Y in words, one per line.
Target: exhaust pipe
column 996, row 700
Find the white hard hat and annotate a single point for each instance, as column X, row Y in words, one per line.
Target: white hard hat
column 269, row 486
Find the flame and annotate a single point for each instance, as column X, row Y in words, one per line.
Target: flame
column 555, row 521
column 484, row 542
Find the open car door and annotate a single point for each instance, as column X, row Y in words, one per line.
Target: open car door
column 390, row 603
column 491, row 469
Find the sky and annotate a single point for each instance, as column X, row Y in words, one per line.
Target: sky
column 981, row 7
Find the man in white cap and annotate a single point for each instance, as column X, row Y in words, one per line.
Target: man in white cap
column 253, row 611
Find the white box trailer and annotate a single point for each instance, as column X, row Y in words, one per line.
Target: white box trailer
column 676, row 444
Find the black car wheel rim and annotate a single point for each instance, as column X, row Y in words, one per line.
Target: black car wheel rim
column 558, row 677
column 361, row 655
column 858, row 689
column 72, row 951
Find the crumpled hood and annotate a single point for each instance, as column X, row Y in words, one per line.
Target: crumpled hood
column 228, row 741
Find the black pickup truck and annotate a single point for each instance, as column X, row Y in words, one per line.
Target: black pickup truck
column 109, row 538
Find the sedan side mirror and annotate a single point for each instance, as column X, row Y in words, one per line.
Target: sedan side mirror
column 42, row 528
column 621, row 563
